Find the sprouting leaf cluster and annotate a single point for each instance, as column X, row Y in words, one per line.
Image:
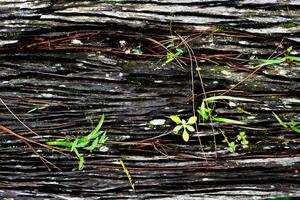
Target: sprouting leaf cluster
column 187, row 126
column 171, row 55
column 241, row 138
column 88, row 142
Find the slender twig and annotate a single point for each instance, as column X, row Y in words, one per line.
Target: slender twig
column 17, row 118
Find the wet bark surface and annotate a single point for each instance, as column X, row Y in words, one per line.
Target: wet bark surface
column 65, row 59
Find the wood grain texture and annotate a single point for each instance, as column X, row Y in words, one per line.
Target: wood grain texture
column 65, row 57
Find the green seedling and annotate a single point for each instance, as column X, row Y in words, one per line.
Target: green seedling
column 241, row 137
column 172, row 56
column 206, row 109
column 170, row 46
column 291, row 126
column 186, row 126
column 88, row 142
column 279, row 60
column 231, row 146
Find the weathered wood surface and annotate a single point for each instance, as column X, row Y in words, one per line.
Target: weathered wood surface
column 42, row 65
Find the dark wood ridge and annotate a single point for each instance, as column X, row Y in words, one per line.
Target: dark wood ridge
column 65, row 56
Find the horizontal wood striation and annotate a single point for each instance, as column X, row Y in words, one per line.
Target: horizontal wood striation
column 65, row 57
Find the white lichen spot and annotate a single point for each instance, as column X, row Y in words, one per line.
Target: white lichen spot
column 158, row 81
column 251, row 117
column 47, row 95
column 76, row 42
column 282, row 72
column 104, row 149
column 157, row 122
column 232, row 104
column 227, row 73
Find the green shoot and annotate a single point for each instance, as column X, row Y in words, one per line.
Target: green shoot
column 280, row 60
column 231, row 146
column 172, row 56
column 280, row 121
column 89, row 142
column 186, row 126
column 215, row 98
column 37, row 108
column 205, row 110
column 292, row 126
column 127, row 174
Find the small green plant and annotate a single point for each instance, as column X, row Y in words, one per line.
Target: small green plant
column 279, row 60
column 171, row 55
column 292, row 125
column 207, row 107
column 288, row 24
column 242, row 137
column 231, row 145
column 89, row 142
column 186, row 126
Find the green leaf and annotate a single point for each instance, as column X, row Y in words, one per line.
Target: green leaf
column 192, row 120
column 83, row 141
column 170, row 57
column 74, row 145
column 81, row 159
column 272, row 61
column 228, row 121
column 215, row 98
column 81, row 163
column 185, row 136
column 231, row 147
column 294, row 127
column 94, row 144
column 60, row 143
column 244, row 142
column 176, row 119
column 280, row 121
column 242, row 136
column 170, row 45
column 293, row 58
column 190, row 128
column 103, row 138
column 94, row 133
column 178, row 52
column 177, row 128
column 290, row 49
column 204, row 112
